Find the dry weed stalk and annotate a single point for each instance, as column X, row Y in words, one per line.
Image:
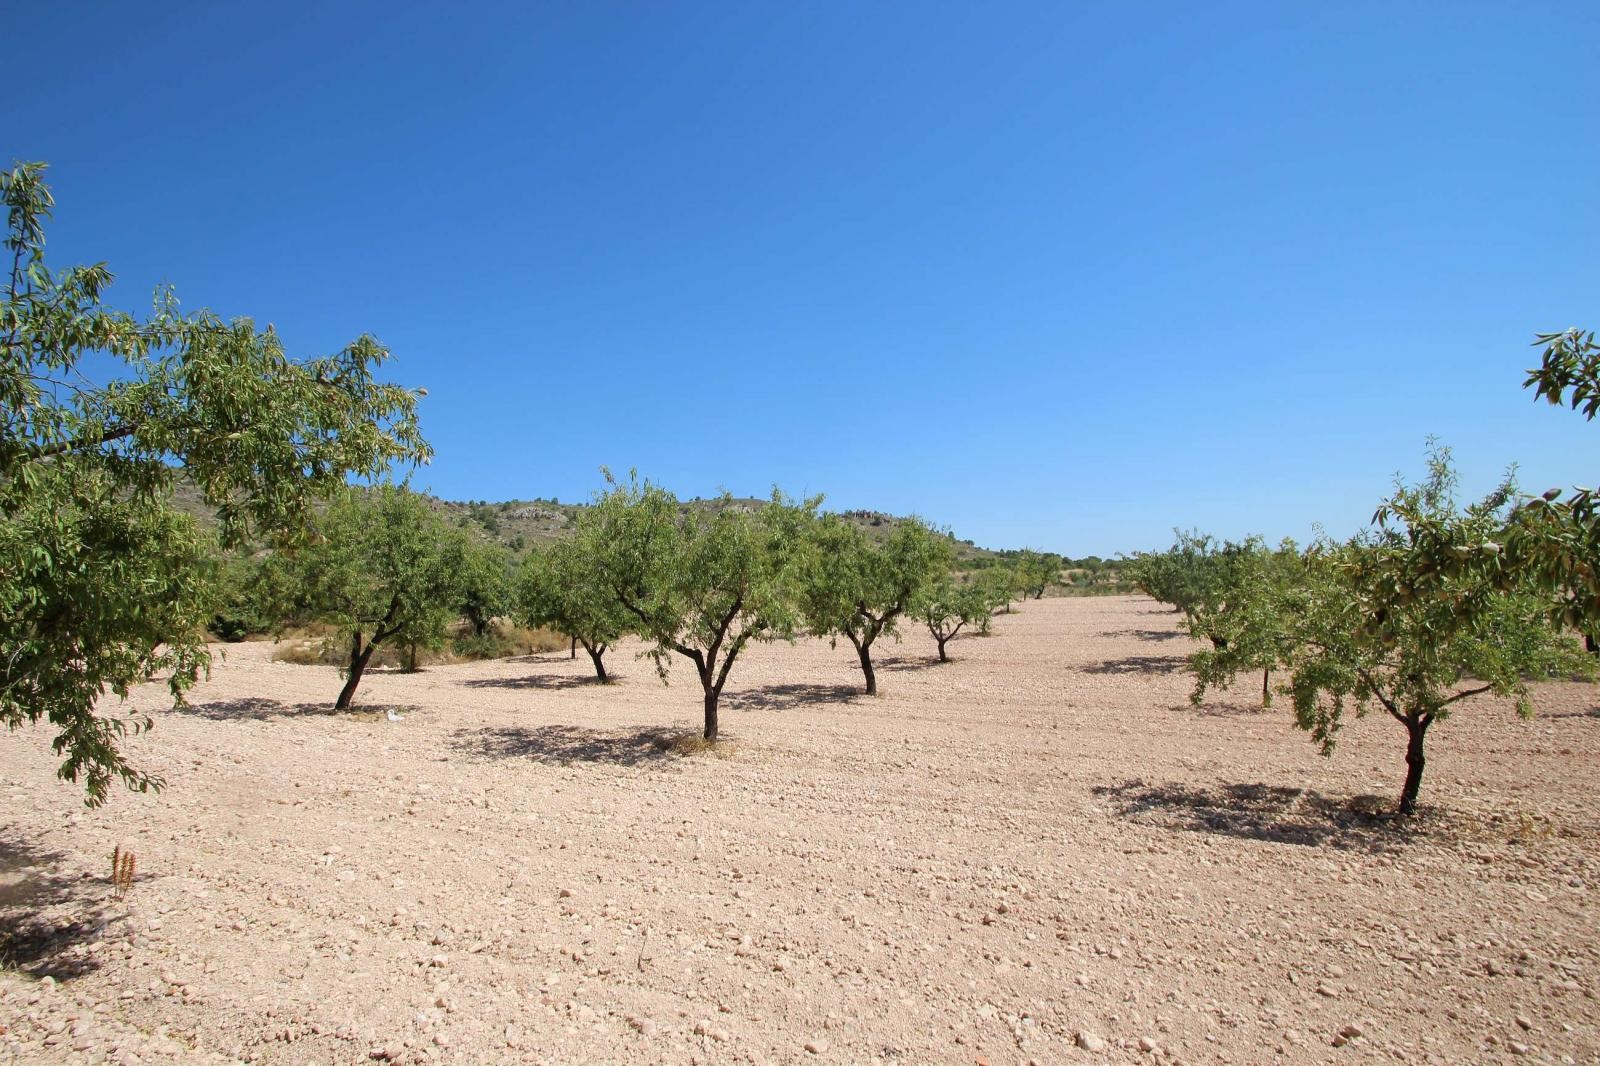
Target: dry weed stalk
column 122, row 869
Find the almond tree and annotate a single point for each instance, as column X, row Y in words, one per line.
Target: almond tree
column 948, row 606
column 103, row 582
column 383, row 568
column 483, row 578
column 1037, row 572
column 1250, row 621
column 700, row 583
column 1392, row 620
column 563, row 586
column 1556, row 540
column 858, row 588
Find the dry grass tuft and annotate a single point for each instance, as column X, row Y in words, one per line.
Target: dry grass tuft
column 695, row 744
column 122, row 870
column 303, row 651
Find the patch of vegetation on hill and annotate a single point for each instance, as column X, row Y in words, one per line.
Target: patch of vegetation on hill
column 522, row 524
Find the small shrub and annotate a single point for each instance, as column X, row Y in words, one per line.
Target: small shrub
column 228, row 628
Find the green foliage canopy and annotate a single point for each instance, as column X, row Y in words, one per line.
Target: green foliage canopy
column 1392, row 620
column 382, row 567
column 563, row 586
column 855, row 587
column 103, row 584
column 947, row 606
column 1249, row 621
column 1556, row 540
column 701, row 584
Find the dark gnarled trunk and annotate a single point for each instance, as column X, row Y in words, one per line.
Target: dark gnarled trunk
column 359, row 657
column 863, row 646
column 1416, row 729
column 596, row 655
column 713, row 694
column 865, row 651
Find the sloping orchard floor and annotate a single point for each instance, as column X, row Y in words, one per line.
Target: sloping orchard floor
column 1038, row 839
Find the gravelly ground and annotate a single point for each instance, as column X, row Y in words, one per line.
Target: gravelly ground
column 1039, row 847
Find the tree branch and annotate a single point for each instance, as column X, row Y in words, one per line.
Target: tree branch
column 65, row 446
column 1464, row 695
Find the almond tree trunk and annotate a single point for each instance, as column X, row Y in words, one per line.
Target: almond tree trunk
column 359, row 657
column 596, row 652
column 1416, row 729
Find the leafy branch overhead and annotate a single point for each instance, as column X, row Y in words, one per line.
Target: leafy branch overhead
column 102, row 583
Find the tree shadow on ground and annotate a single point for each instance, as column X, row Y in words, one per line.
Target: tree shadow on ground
column 1592, row 712
column 1271, row 813
column 259, row 708
column 47, row 919
column 789, row 697
column 1212, row 709
column 1148, row 635
column 544, row 681
column 1138, row 664
column 562, row 744
column 905, row 662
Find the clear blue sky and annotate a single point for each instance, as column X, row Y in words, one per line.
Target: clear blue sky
column 1060, row 274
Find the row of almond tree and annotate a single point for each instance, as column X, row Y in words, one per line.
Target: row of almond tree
column 1432, row 606
column 382, row 567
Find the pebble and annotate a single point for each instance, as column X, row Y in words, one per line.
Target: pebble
column 817, row 1046
column 1089, row 1041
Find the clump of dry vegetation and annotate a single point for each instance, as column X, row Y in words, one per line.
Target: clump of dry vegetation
column 315, row 646
column 123, row 868
column 695, row 744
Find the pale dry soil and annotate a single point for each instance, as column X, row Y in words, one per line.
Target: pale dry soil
column 1039, row 852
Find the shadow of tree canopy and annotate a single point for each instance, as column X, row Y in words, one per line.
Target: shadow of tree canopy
column 1271, row 813
column 1139, row 664
column 789, row 697
column 1150, row 636
column 47, row 920
column 1215, row 709
column 562, row 744
column 539, row 681
column 259, row 708
column 907, row 662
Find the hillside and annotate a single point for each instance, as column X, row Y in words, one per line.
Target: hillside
column 522, row 524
